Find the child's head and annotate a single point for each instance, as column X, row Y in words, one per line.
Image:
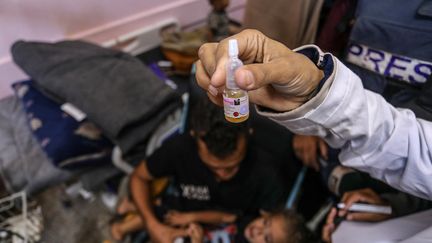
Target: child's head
column 282, row 227
column 221, row 145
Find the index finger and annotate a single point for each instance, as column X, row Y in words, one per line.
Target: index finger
column 351, row 199
column 250, row 49
column 331, row 216
column 329, row 226
column 356, row 197
column 219, row 76
column 207, row 56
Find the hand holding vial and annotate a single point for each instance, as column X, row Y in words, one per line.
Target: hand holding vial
column 274, row 76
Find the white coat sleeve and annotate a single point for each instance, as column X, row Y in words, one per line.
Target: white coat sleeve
column 388, row 143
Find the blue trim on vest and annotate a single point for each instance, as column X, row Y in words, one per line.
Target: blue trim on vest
column 326, row 64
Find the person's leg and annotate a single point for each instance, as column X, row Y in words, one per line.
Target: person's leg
column 126, row 206
column 129, row 225
column 133, row 222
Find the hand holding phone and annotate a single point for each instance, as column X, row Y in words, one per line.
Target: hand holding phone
column 364, row 205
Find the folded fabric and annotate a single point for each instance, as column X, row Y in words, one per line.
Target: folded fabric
column 116, row 91
column 23, row 164
column 67, row 142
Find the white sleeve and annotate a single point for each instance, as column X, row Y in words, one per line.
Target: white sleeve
column 388, row 143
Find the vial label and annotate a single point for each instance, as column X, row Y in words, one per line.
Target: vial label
column 236, row 107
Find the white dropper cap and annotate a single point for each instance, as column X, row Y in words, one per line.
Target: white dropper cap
column 233, row 64
column 232, row 48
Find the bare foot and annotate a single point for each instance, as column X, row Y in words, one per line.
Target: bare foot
column 125, row 206
column 116, row 232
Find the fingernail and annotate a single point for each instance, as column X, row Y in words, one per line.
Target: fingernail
column 212, row 90
column 248, row 78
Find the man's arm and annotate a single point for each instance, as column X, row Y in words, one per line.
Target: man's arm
column 204, row 217
column 140, row 189
column 214, row 217
column 388, row 143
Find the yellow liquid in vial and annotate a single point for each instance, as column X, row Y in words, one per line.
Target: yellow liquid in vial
column 235, row 93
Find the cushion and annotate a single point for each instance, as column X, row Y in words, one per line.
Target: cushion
column 68, row 143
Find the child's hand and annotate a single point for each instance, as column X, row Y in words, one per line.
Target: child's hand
column 195, row 233
column 176, row 218
column 365, row 195
column 330, row 226
column 161, row 233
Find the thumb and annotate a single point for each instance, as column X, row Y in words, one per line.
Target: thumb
column 285, row 74
column 327, row 231
column 257, row 75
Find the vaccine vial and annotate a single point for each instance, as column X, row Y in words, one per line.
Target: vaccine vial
column 235, row 100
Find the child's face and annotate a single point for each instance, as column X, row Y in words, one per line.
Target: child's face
column 266, row 229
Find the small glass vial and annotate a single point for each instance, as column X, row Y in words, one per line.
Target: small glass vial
column 236, row 100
